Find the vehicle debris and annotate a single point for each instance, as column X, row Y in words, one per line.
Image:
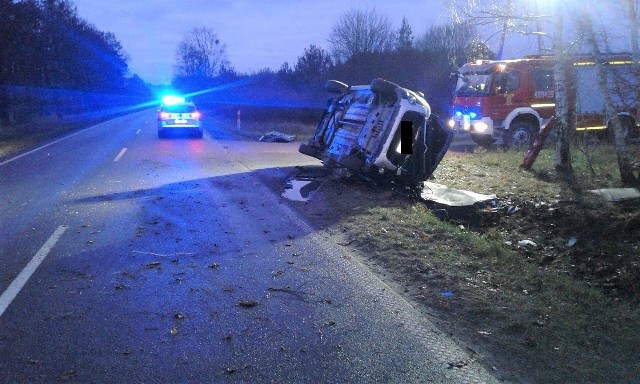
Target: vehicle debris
column 381, row 131
column 248, row 303
column 442, row 194
column 277, row 137
column 526, row 243
column 617, row 194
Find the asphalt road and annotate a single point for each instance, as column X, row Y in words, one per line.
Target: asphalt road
column 126, row 258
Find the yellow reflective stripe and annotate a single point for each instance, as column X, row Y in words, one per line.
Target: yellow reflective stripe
column 548, row 105
column 591, row 128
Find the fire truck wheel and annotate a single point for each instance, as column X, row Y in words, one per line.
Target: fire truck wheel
column 520, row 134
column 483, row 140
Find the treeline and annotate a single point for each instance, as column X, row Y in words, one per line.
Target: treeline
column 426, row 64
column 52, row 61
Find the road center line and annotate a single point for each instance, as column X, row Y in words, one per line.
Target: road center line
column 16, row 285
column 122, row 151
column 138, row 131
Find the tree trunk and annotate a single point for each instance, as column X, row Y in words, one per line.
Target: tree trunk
column 635, row 51
column 563, row 126
column 624, row 159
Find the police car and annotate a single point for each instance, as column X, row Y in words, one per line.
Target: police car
column 177, row 114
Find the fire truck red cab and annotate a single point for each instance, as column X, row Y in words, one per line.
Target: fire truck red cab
column 509, row 100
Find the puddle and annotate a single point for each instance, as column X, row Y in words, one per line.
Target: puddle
column 300, row 189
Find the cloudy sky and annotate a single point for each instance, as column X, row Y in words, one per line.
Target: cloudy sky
column 257, row 33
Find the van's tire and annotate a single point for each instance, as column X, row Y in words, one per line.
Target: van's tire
column 483, row 140
column 335, row 86
column 521, row 134
column 383, row 87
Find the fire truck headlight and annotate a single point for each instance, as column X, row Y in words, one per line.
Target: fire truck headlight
column 466, row 125
column 451, row 123
column 480, row 126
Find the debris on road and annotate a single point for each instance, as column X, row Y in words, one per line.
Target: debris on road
column 277, row 137
column 248, row 303
column 154, row 264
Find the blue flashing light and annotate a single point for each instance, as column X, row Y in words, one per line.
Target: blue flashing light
column 473, row 115
column 172, row 100
column 458, row 114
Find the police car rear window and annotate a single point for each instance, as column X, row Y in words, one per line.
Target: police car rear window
column 180, row 108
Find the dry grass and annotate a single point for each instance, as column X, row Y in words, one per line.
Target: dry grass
column 527, row 313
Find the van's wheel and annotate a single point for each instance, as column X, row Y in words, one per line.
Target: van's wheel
column 520, row 134
column 335, row 86
column 482, row 140
column 383, row 87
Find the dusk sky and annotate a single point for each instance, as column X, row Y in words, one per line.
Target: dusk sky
column 257, row 34
column 264, row 34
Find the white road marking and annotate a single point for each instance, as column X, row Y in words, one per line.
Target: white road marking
column 20, row 280
column 122, row 151
column 49, row 144
column 138, row 131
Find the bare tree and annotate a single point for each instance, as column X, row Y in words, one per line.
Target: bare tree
column 565, row 123
column 632, row 17
column 504, row 17
column 624, row 158
column 359, row 31
column 200, row 54
column 458, row 41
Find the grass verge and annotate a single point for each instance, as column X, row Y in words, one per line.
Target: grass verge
column 552, row 312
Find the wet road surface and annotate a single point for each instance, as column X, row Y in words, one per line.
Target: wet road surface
column 124, row 257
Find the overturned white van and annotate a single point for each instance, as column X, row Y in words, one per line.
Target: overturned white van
column 381, row 130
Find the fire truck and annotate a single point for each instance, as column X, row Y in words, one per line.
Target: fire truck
column 509, row 100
